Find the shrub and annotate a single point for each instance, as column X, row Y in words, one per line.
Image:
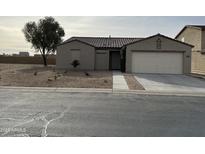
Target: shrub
column 87, row 74
column 35, row 73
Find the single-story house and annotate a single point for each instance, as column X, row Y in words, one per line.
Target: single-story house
column 154, row 54
column 195, row 35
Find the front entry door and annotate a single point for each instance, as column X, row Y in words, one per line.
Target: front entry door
column 115, row 60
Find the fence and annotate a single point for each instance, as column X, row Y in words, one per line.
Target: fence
column 27, row 60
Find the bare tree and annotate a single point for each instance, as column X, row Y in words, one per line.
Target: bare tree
column 44, row 36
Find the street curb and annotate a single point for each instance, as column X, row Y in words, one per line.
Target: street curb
column 161, row 93
column 57, row 89
column 96, row 90
column 199, row 76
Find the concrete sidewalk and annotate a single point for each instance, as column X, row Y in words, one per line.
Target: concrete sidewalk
column 119, row 82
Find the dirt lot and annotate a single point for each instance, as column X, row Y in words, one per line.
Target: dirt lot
column 40, row 76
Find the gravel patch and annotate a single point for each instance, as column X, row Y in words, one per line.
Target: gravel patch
column 30, row 75
column 132, row 83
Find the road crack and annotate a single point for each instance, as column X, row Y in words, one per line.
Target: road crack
column 47, row 122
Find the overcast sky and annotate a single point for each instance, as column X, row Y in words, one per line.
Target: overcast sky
column 12, row 38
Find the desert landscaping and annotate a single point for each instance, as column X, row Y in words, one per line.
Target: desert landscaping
column 132, row 83
column 33, row 75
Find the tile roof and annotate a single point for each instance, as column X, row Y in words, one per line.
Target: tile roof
column 104, row 42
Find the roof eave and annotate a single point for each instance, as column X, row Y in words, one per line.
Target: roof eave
column 161, row 36
column 178, row 41
column 187, row 26
column 180, row 32
column 77, row 41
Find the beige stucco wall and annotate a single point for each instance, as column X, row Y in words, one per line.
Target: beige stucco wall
column 198, row 62
column 192, row 36
column 102, row 60
column 64, row 57
column 195, row 37
column 203, row 41
column 167, row 45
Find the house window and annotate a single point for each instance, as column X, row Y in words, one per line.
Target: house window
column 159, row 43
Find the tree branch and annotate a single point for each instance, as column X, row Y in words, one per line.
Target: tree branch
column 40, row 51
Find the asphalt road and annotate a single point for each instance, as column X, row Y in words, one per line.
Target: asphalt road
column 34, row 113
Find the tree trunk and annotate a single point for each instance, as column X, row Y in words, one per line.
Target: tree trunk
column 44, row 60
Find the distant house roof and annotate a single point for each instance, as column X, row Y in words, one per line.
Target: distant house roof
column 198, row 26
column 104, row 42
column 201, row 27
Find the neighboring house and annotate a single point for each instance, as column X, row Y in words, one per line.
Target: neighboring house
column 195, row 35
column 154, row 54
column 15, row 55
column 24, row 54
column 21, row 54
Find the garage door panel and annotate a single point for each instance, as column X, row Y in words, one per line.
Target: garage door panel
column 157, row 62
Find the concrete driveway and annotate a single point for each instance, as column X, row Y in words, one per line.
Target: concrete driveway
column 171, row 83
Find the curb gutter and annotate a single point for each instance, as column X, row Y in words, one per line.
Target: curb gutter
column 96, row 90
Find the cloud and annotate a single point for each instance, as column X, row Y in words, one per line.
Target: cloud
column 12, row 36
column 9, row 29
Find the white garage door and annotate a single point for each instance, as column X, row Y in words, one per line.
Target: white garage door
column 157, row 62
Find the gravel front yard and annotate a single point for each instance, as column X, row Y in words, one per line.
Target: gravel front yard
column 132, row 83
column 40, row 76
